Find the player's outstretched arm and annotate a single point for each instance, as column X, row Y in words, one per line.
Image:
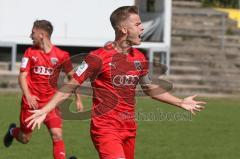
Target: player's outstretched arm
column 38, row 116
column 158, row 93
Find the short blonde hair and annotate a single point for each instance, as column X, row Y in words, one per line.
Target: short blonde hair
column 121, row 14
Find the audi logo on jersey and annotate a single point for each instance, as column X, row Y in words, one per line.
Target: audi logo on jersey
column 125, row 80
column 41, row 70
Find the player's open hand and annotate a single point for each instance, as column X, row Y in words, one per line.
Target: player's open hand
column 191, row 105
column 32, row 101
column 36, row 118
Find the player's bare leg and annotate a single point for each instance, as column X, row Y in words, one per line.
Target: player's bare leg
column 22, row 137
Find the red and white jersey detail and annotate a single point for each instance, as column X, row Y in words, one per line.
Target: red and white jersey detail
column 43, row 71
column 114, row 77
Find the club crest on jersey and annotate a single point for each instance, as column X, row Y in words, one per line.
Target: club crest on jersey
column 54, row 60
column 138, row 65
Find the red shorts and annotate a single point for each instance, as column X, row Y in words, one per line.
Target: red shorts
column 53, row 119
column 114, row 144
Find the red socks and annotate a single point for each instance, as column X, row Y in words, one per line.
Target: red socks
column 59, row 149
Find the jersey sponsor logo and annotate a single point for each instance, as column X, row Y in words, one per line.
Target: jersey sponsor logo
column 41, row 70
column 81, row 68
column 54, row 60
column 24, row 62
column 125, row 80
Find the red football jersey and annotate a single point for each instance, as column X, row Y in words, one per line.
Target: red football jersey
column 43, row 71
column 114, row 77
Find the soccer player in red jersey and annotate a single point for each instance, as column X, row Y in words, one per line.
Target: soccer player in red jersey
column 114, row 71
column 39, row 72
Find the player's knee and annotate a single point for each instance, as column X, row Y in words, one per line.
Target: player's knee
column 25, row 139
column 56, row 136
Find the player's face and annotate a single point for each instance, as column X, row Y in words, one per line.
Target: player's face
column 134, row 29
column 36, row 36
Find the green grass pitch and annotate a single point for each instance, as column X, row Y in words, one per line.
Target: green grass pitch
column 164, row 132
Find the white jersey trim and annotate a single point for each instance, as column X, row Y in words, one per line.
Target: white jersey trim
column 24, row 62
